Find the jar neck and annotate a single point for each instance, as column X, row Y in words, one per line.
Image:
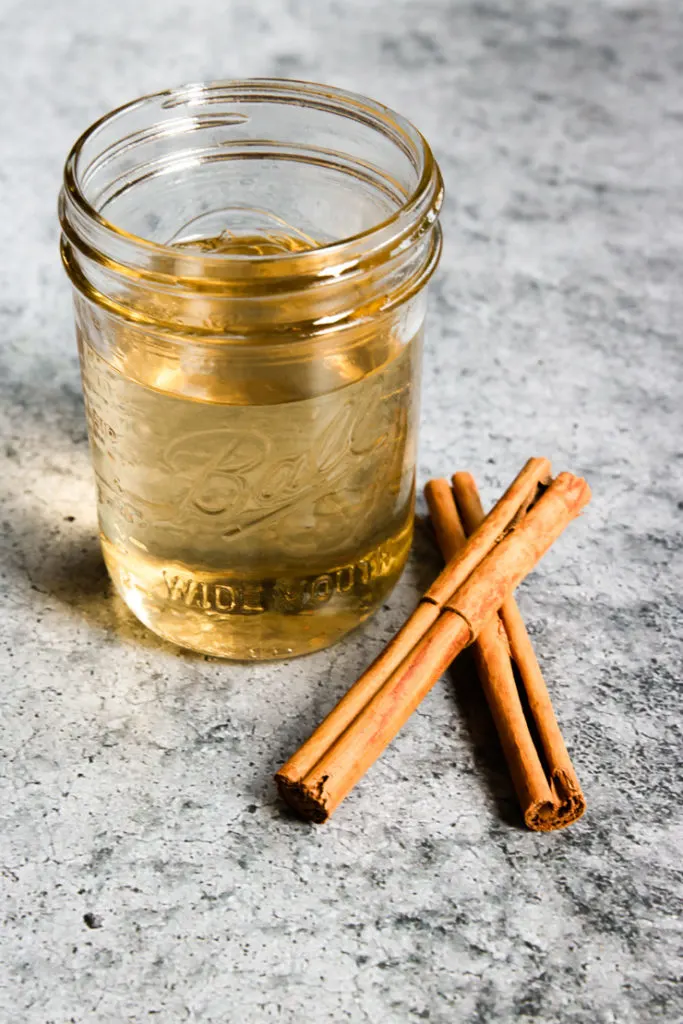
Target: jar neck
column 183, row 289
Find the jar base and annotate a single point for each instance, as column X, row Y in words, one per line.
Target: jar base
column 251, row 621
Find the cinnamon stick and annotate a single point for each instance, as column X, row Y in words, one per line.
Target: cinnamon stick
column 550, row 796
column 351, row 749
column 492, row 659
column 513, row 504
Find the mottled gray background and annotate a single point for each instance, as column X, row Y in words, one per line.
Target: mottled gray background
column 136, row 779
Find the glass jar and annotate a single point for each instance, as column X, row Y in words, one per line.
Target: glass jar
column 249, row 262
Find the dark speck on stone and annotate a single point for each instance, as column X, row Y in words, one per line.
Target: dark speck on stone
column 92, row 920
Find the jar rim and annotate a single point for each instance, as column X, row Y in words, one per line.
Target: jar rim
column 423, row 202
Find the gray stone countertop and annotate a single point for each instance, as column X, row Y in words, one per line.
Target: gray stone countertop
column 148, row 871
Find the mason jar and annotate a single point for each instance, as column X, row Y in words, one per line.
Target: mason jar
column 249, row 262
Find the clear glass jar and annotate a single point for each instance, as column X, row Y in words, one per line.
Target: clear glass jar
column 249, row 262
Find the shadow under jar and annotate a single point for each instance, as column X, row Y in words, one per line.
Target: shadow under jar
column 249, row 262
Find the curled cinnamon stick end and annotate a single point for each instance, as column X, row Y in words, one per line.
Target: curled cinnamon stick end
column 568, row 804
column 550, row 797
column 308, row 805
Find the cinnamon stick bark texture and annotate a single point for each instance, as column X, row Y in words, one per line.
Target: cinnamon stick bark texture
column 550, row 795
column 358, row 744
column 519, row 496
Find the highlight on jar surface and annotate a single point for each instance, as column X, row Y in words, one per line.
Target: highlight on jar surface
column 249, row 262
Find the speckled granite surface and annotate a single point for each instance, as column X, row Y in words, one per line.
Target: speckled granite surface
column 147, row 870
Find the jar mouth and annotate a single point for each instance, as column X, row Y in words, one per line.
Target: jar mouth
column 98, row 238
